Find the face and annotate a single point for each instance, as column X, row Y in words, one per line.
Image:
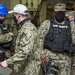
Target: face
column 60, row 16
column 16, row 18
column 2, row 18
column 71, row 18
column 58, row 12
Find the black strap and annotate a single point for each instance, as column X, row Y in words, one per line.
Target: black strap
column 54, row 66
column 54, row 72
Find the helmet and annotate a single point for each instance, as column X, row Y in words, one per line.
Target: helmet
column 60, row 7
column 3, row 10
column 20, row 8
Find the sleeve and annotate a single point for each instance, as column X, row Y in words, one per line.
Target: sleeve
column 43, row 29
column 73, row 31
column 5, row 38
column 25, row 45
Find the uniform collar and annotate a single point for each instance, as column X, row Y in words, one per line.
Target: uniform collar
column 23, row 21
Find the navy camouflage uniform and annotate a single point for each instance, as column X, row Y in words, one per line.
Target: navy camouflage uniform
column 62, row 60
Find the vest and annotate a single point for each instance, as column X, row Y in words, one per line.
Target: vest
column 58, row 38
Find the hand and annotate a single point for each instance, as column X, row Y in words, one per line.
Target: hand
column 4, row 64
column 43, row 59
column 74, row 64
column 10, row 33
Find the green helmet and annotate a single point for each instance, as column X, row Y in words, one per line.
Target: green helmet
column 60, row 7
